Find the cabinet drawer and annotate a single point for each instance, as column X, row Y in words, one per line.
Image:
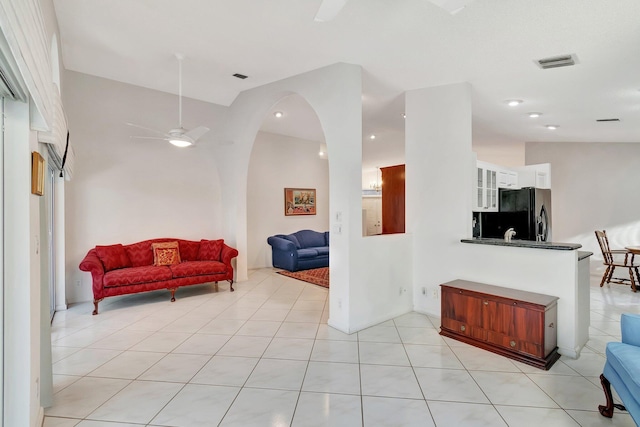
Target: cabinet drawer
column 515, row 344
column 463, row 328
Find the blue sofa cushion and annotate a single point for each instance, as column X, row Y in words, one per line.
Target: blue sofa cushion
column 324, row 250
column 624, row 359
column 310, row 239
column 307, row 253
column 292, row 238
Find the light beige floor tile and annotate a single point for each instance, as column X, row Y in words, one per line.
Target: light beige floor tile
column 517, row 416
column 322, row 410
column 60, row 422
column 139, row 402
column 450, row 385
column 389, row 381
column 197, row 406
column 432, row 356
column 176, row 368
column 465, row 414
column 383, row 354
column 278, row 374
column 335, row 351
column 388, row 334
column 128, row 365
column 84, row 361
column 259, row 328
column 327, row 377
column 161, row 342
column 507, row 388
column 392, row 412
column 226, row 371
column 260, row 408
column 83, row 396
column 206, row 344
column 289, row 348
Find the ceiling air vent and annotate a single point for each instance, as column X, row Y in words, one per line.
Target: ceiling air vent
column 607, row 120
column 557, row 61
column 240, row 76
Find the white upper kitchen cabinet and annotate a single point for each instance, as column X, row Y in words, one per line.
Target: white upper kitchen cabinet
column 507, row 179
column 538, row 176
column 486, row 188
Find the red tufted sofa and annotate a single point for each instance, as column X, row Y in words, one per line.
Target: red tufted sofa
column 129, row 269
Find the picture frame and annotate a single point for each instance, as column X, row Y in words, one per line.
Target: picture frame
column 299, row 201
column 37, row 174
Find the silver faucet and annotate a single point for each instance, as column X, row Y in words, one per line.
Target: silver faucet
column 508, row 235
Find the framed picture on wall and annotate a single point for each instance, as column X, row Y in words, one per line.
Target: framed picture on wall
column 299, row 201
column 37, row 174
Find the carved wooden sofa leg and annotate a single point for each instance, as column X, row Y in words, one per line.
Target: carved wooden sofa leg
column 231, row 284
column 173, row 294
column 95, row 305
column 607, row 409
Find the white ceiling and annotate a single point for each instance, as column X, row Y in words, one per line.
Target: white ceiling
column 401, row 45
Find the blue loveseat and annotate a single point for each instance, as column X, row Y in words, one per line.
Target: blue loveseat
column 622, row 369
column 301, row 250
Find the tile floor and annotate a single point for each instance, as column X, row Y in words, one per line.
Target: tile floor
column 264, row 356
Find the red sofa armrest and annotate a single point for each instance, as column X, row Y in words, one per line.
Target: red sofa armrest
column 228, row 253
column 92, row 264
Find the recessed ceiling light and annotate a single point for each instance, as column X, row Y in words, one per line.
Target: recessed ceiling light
column 404, row 115
column 513, row 102
column 372, row 137
column 278, row 114
column 552, row 127
column 534, row 115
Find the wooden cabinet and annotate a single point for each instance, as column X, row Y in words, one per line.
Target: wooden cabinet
column 393, row 193
column 517, row 324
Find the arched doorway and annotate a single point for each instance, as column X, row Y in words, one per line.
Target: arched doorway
column 285, row 154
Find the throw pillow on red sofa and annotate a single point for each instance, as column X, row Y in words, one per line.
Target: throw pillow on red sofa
column 113, row 257
column 210, row 250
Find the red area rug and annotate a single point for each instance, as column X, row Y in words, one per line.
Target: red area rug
column 317, row 276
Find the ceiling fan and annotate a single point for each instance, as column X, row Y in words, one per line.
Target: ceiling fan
column 179, row 136
column 329, row 9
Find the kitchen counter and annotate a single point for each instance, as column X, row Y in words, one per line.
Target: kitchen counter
column 550, row 268
column 583, row 255
column 523, row 244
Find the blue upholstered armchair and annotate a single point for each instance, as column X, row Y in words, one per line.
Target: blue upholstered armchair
column 622, row 369
column 302, row 250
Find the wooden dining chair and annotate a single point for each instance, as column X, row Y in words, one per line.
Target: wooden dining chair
column 617, row 258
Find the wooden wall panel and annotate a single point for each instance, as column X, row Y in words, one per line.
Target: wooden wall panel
column 393, row 198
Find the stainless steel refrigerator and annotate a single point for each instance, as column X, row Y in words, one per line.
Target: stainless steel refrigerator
column 527, row 211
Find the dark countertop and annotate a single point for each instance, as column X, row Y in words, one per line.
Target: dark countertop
column 584, row 254
column 524, row 244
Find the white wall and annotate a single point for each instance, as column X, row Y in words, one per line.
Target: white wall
column 279, row 162
column 125, row 190
column 503, row 153
column 594, row 187
column 439, row 182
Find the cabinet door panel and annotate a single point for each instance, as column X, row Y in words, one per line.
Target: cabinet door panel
column 462, row 308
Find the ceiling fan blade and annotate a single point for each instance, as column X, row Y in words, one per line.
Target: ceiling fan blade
column 329, row 9
column 196, row 133
column 149, row 129
column 148, row 137
column 451, row 6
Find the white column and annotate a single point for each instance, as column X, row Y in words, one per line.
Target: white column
column 59, row 244
column 438, row 186
column 17, row 273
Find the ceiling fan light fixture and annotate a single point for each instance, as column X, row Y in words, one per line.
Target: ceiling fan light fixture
column 180, row 142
